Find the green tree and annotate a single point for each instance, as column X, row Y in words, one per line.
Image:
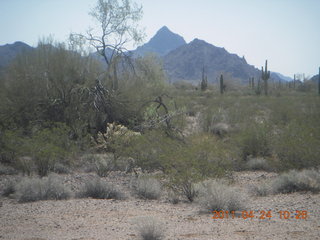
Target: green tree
column 117, row 27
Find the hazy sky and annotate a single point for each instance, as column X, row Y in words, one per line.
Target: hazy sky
column 286, row 32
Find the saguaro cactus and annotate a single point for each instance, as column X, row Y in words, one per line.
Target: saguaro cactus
column 222, row 86
column 204, row 81
column 265, row 77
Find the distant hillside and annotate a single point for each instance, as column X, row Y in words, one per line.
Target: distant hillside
column 162, row 43
column 315, row 78
column 281, row 77
column 9, row 51
column 187, row 62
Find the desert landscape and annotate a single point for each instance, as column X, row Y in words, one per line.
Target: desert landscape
column 105, row 135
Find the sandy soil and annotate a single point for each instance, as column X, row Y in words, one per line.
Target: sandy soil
column 93, row 219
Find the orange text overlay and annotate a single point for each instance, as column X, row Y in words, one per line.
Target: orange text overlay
column 297, row 214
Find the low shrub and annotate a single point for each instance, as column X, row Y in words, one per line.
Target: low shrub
column 147, row 187
column 103, row 164
column 294, row 181
column 297, row 146
column 7, row 170
column 254, row 141
column 35, row 189
column 150, row 229
column 99, row 189
column 220, row 129
column 9, row 189
column 217, row 195
column 257, row 164
column 173, row 197
column 261, row 190
column 61, row 168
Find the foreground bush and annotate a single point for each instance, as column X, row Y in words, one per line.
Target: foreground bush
column 216, row 196
column 100, row 190
column 35, row 189
column 150, row 229
column 294, row 181
column 148, row 188
column 297, row 146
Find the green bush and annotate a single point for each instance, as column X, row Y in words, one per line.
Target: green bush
column 35, row 189
column 255, row 141
column 297, row 146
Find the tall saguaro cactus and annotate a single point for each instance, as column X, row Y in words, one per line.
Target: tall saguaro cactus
column 204, row 81
column 222, row 86
column 265, row 77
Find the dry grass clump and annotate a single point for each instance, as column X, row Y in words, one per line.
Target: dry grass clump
column 147, row 187
column 294, row 181
column 150, row 229
column 99, row 189
column 36, row 189
column 216, row 195
column 261, row 190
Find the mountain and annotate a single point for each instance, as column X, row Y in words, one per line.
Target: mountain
column 187, row 62
column 315, row 78
column 279, row 76
column 162, row 43
column 9, row 51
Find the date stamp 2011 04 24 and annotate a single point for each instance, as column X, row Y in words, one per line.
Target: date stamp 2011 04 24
column 297, row 214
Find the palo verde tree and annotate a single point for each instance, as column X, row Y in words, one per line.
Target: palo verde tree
column 116, row 28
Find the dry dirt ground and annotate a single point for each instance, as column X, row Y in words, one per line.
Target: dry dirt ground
column 93, row 219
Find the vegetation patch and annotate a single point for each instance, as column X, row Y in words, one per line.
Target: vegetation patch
column 36, row 189
column 217, row 196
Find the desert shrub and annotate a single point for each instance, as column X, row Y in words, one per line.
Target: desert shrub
column 99, row 189
column 294, row 181
column 25, row 164
column 35, row 189
column 9, row 188
column 297, row 146
column 220, row 129
column 261, row 190
column 217, row 195
column 150, row 158
column 61, row 168
column 254, row 141
column 257, row 164
column 103, row 164
column 147, row 187
column 7, row 170
column 49, row 146
column 201, row 157
column 42, row 148
column 150, row 229
column 173, row 197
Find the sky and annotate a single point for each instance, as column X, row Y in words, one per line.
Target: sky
column 286, row 32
